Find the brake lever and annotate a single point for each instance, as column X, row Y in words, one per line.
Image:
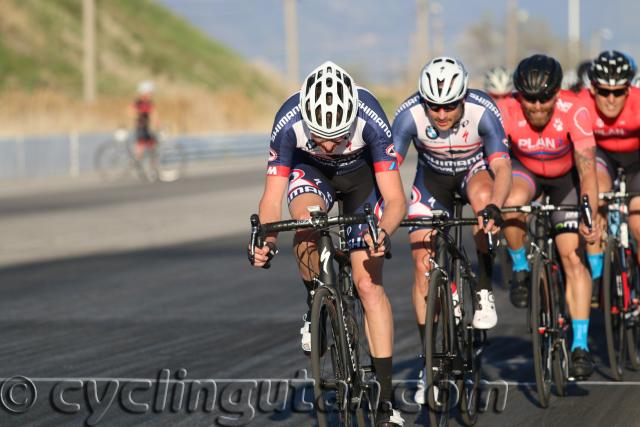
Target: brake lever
column 372, row 223
column 586, row 212
column 256, row 240
column 485, row 221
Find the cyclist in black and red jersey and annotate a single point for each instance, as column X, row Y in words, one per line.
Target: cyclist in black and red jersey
column 144, row 113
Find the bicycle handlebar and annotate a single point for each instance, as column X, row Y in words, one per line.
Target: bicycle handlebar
column 611, row 195
column 318, row 221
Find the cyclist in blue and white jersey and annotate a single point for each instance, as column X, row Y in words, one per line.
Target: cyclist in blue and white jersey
column 461, row 148
column 332, row 139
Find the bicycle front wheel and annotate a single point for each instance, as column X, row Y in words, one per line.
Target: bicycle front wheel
column 470, row 345
column 614, row 325
column 328, row 362
column 113, row 160
column 438, row 352
column 540, row 322
column 633, row 322
column 172, row 161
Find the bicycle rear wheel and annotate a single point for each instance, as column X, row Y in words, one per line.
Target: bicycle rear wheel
column 540, row 321
column 440, row 381
column 613, row 313
column 113, row 160
column 328, row 362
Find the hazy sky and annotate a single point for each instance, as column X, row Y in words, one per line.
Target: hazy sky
column 375, row 35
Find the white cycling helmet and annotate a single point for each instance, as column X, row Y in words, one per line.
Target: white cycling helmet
column 498, row 81
column 329, row 101
column 443, row 80
column 145, row 87
column 636, row 81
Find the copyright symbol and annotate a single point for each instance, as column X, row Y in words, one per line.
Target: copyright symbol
column 18, row 394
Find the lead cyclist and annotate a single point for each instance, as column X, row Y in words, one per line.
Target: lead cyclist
column 333, row 136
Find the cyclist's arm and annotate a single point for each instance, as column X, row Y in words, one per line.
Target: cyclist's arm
column 395, row 204
column 496, row 149
column 270, row 208
column 404, row 129
column 385, row 162
column 501, row 169
column 584, row 153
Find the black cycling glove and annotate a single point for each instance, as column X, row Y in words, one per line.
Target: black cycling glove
column 492, row 212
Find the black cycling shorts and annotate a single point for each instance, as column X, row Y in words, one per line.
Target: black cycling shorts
column 562, row 190
column 355, row 188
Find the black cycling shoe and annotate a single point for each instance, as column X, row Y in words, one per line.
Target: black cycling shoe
column 595, row 292
column 387, row 416
column 519, row 292
column 581, row 364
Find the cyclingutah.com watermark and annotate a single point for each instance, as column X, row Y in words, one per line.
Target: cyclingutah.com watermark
column 230, row 402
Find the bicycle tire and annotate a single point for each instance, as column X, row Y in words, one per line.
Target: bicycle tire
column 541, row 342
column 172, row 161
column 613, row 314
column 633, row 330
column 560, row 355
column 469, row 343
column 112, row 160
column 328, row 363
column 438, row 340
column 366, row 391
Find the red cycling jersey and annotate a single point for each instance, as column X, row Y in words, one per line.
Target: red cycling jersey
column 622, row 133
column 548, row 153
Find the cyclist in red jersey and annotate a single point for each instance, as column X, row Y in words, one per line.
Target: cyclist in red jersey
column 552, row 142
column 615, row 110
column 143, row 112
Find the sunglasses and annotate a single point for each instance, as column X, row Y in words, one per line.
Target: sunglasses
column 615, row 92
column 446, row 107
column 542, row 98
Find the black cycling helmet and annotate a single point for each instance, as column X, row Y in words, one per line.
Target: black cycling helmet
column 611, row 68
column 538, row 77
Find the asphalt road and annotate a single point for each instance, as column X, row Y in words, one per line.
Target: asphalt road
column 97, row 314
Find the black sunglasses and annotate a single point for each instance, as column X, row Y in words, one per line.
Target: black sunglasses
column 615, row 92
column 546, row 97
column 446, row 107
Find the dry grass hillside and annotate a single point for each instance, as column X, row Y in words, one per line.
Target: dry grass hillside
column 201, row 85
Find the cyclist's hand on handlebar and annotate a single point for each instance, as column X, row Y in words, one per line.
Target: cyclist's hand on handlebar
column 384, row 243
column 262, row 255
column 590, row 236
column 494, row 216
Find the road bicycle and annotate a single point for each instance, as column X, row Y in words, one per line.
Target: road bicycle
column 164, row 161
column 547, row 312
column 346, row 392
column 620, row 291
column 453, row 348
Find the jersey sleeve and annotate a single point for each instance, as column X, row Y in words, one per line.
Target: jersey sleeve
column 581, row 128
column 404, row 130
column 491, row 130
column 283, row 139
column 377, row 133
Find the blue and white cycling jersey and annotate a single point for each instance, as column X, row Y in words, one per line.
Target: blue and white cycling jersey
column 479, row 135
column 369, row 140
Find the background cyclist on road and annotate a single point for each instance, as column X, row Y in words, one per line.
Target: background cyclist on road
column 554, row 152
column 145, row 116
column 498, row 83
column 615, row 111
column 333, row 136
column 461, row 148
